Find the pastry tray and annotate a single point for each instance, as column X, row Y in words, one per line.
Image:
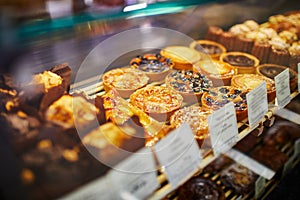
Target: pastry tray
column 93, row 87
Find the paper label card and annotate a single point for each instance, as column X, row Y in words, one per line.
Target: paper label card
column 250, row 163
column 179, row 154
column 283, row 92
column 98, row 189
column 299, row 77
column 223, row 128
column 260, row 185
column 257, row 101
column 136, row 176
column 297, row 148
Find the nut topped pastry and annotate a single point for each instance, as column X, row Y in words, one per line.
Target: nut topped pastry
column 189, row 84
column 251, row 81
column 182, row 56
column 155, row 66
column 220, row 73
column 213, row 49
column 244, row 62
column 157, row 101
column 217, row 97
column 196, row 117
column 124, row 80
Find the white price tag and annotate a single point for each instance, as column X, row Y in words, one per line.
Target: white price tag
column 260, row 185
column 96, row 190
column 288, row 166
column 257, row 101
column 289, row 115
column 250, row 163
column 135, row 177
column 223, row 128
column 180, row 155
column 299, row 77
column 297, row 148
column 283, row 93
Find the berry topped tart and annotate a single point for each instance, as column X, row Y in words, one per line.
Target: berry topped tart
column 217, row 97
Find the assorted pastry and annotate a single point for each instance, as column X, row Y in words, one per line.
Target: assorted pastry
column 155, row 66
column 272, row 70
column 124, row 80
column 220, row 73
column 196, row 117
column 217, row 97
column 60, row 137
column 239, row 178
column 249, row 82
column 189, row 84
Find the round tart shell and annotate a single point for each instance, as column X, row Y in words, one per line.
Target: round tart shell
column 240, row 114
column 242, row 69
column 183, row 57
column 200, row 132
column 236, row 82
column 153, row 76
column 293, row 82
column 217, row 79
column 125, row 93
column 212, row 43
column 158, row 92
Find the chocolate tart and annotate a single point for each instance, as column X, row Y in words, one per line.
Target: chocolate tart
column 196, row 117
column 244, row 62
column 220, row 73
column 155, row 66
column 249, row 82
column 270, row 156
column 272, row 70
column 281, row 133
column 200, row 188
column 158, row 102
column 217, row 97
column 124, row 80
column 183, row 57
column 189, row 84
column 239, row 178
column 213, row 49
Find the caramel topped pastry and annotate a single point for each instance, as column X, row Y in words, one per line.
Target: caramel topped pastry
column 157, row 101
column 244, row 62
column 69, row 111
column 213, row 49
column 47, row 78
column 220, row 73
column 217, row 97
column 196, row 117
column 189, row 84
column 124, row 80
column 155, row 66
column 182, row 57
column 251, row 81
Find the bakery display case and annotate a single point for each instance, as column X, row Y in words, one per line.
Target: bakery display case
column 148, row 99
